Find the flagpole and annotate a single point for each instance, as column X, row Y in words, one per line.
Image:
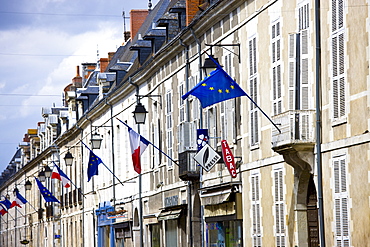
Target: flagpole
column 4, row 220
column 259, row 108
column 105, row 166
column 150, row 143
column 11, row 216
column 79, row 190
column 19, row 212
column 33, row 207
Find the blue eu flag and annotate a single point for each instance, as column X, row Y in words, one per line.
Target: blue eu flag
column 6, row 202
column 46, row 193
column 217, row 87
column 94, row 162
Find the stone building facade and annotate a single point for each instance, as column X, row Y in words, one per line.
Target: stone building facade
column 300, row 151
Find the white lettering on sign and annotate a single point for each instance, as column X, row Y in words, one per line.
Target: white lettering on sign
column 228, row 158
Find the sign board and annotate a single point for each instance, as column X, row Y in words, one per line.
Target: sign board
column 118, row 216
column 228, row 158
column 202, row 138
column 207, row 157
column 171, row 201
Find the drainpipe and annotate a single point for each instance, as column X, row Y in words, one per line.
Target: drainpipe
column 114, row 170
column 200, row 126
column 82, row 188
column 113, row 160
column 318, row 123
column 140, row 176
column 190, row 212
column 93, row 212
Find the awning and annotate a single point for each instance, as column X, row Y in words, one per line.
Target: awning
column 215, row 197
column 170, row 214
column 122, row 225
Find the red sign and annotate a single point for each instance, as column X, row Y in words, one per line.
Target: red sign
column 228, row 157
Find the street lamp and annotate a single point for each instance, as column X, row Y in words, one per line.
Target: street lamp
column 47, row 171
column 96, row 140
column 209, row 65
column 42, row 176
column 15, row 191
column 68, row 159
column 140, row 113
column 28, row 185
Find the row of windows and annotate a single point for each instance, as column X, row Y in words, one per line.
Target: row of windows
column 340, row 200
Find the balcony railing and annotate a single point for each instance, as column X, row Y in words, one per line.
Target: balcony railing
column 297, row 127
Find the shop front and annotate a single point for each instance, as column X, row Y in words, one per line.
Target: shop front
column 105, row 225
column 172, row 219
column 223, row 216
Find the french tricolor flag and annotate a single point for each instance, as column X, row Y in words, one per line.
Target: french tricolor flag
column 138, row 145
column 60, row 175
column 3, row 210
column 19, row 200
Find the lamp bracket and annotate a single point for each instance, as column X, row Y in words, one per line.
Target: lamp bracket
column 222, row 46
column 150, row 96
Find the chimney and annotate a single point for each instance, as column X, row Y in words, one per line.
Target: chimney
column 137, row 18
column 103, row 64
column 110, row 56
column 191, row 10
column 77, row 80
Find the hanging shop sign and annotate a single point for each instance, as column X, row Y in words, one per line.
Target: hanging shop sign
column 207, row 157
column 202, row 138
column 228, row 158
column 118, row 214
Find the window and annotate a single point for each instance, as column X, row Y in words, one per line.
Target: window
column 212, row 126
column 292, row 60
column 298, row 59
column 303, row 12
column 155, row 235
column 341, row 210
column 276, row 68
column 253, row 93
column 256, row 210
column 182, row 108
column 338, row 52
column 228, row 130
column 279, row 208
column 226, row 233
column 169, row 125
column 171, row 233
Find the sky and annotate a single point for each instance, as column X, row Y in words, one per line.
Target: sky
column 41, row 43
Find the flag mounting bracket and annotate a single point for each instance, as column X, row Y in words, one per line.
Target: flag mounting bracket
column 222, row 46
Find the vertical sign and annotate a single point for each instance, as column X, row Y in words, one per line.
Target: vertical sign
column 202, row 138
column 228, row 158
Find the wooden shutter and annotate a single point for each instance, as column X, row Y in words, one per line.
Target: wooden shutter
column 253, row 92
column 276, row 69
column 256, row 210
column 182, row 109
column 338, row 63
column 341, row 207
column 304, row 70
column 279, row 208
column 292, row 70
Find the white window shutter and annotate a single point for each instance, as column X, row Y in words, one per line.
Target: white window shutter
column 292, row 70
column 341, row 198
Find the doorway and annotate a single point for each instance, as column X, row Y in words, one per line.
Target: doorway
column 312, row 215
